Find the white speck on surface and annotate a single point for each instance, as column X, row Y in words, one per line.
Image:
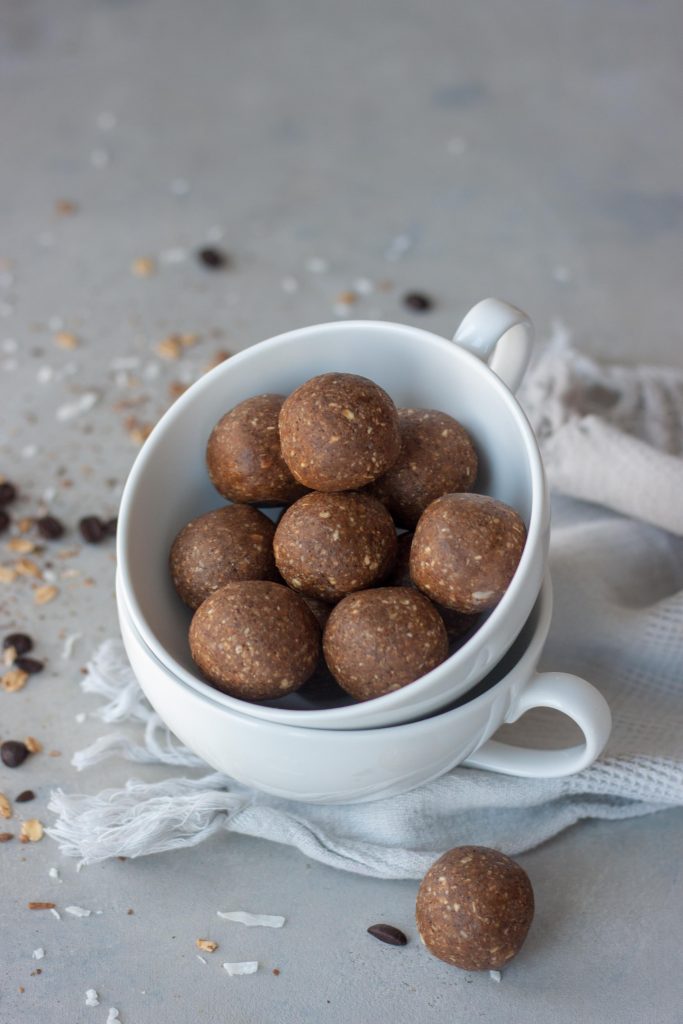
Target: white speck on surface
column 84, row 403
column 29, row 450
column 363, row 285
column 215, row 233
column 176, row 254
column 54, row 874
column 10, row 346
column 317, row 265
column 244, row 967
column 252, row 920
column 38, row 954
column 113, row 1015
column 151, row 371
column 69, row 643
column 289, row 284
column 80, row 717
column 49, row 494
column 495, row 975
column 49, row 575
column 106, row 121
column 456, row 146
column 122, row 378
column 201, row 958
column 77, row 911
column 180, row 187
column 92, row 998
column 55, row 913
column 100, row 158
column 45, row 374
column 562, row 275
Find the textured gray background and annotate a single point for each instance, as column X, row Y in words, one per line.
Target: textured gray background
column 531, row 150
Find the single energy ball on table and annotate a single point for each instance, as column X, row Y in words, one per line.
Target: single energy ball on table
column 437, row 457
column 328, row 545
column 466, row 550
column 457, row 624
column 339, row 432
column 243, row 455
column 228, row 544
column 474, row 908
column 379, row 640
column 255, row 640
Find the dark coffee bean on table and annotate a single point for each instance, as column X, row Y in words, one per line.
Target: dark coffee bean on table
column 417, row 301
column 387, row 933
column 30, row 665
column 21, row 643
column 93, row 530
column 213, row 258
column 8, row 492
column 25, row 796
column 110, row 527
column 4, row 520
column 13, row 753
column 50, row 528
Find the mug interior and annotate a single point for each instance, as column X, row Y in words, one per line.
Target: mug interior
column 169, row 484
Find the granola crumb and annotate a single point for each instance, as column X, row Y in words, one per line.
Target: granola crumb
column 43, row 595
column 206, row 945
column 5, row 807
column 14, row 680
column 66, row 340
column 169, row 347
column 143, row 266
column 34, row 746
column 21, row 545
column 32, row 830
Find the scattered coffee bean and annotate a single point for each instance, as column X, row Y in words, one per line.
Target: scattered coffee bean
column 13, row 753
column 5, row 837
column 25, row 796
column 92, row 529
column 50, row 528
column 21, row 643
column 4, row 520
column 8, row 492
column 110, row 527
column 213, row 258
column 387, row 933
column 30, row 665
column 417, row 301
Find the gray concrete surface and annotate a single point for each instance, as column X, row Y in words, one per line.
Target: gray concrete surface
column 531, row 150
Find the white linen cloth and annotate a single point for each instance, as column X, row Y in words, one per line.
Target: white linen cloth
column 610, row 435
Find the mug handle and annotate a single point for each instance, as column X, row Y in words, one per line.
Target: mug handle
column 573, row 697
column 501, row 335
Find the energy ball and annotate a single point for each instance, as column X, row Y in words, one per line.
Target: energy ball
column 328, row 545
column 380, row 640
column 255, row 640
column 339, row 432
column 474, row 908
column 437, row 457
column 466, row 550
column 228, row 544
column 457, row 624
column 244, row 458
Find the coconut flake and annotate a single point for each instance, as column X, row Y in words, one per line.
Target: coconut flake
column 55, row 913
column 252, row 920
column 38, row 954
column 495, row 975
column 54, row 874
column 113, row 1015
column 92, row 998
column 77, row 911
column 245, row 967
column 201, row 958
column 84, row 403
column 69, row 643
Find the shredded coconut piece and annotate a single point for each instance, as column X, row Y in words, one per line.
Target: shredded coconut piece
column 54, row 873
column 77, row 911
column 69, row 644
column 55, row 913
column 201, row 958
column 245, row 967
column 252, row 920
column 39, row 953
column 80, row 717
column 495, row 975
column 84, row 403
column 113, row 1015
column 92, row 998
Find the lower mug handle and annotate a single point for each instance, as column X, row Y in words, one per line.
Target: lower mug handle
column 572, row 696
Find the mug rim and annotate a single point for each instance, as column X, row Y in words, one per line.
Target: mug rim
column 389, row 701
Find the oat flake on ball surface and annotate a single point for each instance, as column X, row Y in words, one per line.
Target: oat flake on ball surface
column 339, row 432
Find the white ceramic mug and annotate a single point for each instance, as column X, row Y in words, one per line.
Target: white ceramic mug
column 168, row 485
column 347, row 766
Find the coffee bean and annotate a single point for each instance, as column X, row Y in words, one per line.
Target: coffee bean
column 21, row 643
column 5, row 837
column 13, row 753
column 110, row 527
column 387, row 933
column 30, row 665
column 213, row 258
column 50, row 528
column 25, row 796
column 417, row 301
column 4, row 520
column 8, row 492
column 92, row 529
